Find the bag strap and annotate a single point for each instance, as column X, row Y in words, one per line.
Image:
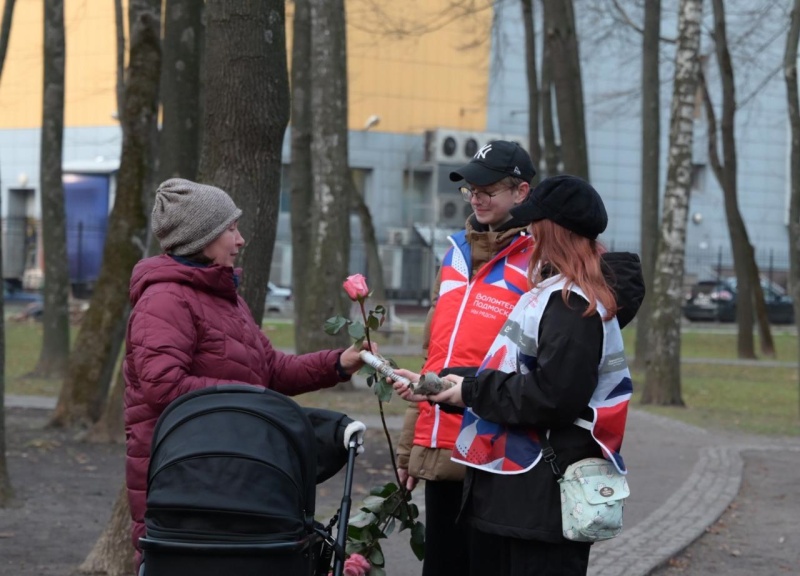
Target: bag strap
column 548, row 454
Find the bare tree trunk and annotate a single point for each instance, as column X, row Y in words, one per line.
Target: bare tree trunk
column 5, row 31
column 179, row 143
column 112, row 553
column 330, row 229
column 245, row 116
column 374, row 272
column 790, row 74
column 651, row 153
column 55, row 320
column 95, row 352
column 552, row 153
column 663, row 364
column 302, row 195
column 562, row 42
column 110, row 428
column 748, row 284
column 534, row 147
column 6, row 491
column 119, row 24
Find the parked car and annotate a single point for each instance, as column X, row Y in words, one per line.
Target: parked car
column 715, row 300
column 14, row 294
column 279, row 299
column 21, row 303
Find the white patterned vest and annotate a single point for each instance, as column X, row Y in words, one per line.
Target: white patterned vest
column 501, row 449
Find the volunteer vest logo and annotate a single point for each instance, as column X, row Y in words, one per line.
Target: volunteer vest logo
column 507, row 450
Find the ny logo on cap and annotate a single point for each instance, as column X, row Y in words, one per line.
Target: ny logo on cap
column 481, row 154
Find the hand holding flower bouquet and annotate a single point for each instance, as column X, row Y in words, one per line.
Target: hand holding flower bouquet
column 388, row 507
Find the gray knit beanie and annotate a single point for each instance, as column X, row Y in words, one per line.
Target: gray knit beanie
column 188, row 216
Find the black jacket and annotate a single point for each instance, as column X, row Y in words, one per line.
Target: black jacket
column 528, row 505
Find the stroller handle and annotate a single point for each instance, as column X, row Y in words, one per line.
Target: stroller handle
column 223, row 548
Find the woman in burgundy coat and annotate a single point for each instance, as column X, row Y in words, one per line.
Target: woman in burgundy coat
column 189, row 329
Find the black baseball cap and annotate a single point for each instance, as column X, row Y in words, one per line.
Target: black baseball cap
column 568, row 201
column 495, row 161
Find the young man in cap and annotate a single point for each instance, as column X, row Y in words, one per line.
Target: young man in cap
column 481, row 278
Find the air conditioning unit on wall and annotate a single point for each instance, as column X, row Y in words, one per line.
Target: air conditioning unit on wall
column 456, row 146
column 398, row 236
column 453, row 211
column 392, row 261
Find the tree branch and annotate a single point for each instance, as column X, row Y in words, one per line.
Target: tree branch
column 711, row 119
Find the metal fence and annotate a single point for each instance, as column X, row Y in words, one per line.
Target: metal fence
column 408, row 268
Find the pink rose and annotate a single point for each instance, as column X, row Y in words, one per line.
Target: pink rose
column 356, row 287
column 356, row 564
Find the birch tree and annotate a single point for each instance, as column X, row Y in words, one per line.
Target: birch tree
column 662, row 374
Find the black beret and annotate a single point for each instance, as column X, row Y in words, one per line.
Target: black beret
column 569, row 202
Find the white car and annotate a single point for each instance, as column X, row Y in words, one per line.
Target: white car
column 279, row 299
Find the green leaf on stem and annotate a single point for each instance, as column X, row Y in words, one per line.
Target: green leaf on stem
column 376, row 557
column 373, row 323
column 383, row 390
column 357, row 332
column 361, row 520
column 333, row 325
column 386, row 490
column 373, row 503
column 417, row 540
column 366, row 370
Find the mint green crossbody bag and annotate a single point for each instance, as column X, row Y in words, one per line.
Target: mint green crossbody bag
column 593, row 494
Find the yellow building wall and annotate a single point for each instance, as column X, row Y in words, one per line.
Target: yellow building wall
column 418, row 64
column 90, row 74
column 414, row 63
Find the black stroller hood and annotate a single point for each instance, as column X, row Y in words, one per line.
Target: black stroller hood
column 232, row 462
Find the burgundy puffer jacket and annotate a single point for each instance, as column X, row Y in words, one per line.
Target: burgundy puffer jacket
column 188, row 330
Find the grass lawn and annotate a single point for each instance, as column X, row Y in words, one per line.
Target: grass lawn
column 751, row 398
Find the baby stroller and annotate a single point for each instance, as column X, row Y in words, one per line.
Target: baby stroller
column 232, row 486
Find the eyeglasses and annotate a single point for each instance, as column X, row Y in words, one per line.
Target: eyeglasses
column 468, row 194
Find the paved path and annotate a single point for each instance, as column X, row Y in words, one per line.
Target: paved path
column 682, row 479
